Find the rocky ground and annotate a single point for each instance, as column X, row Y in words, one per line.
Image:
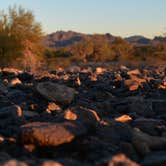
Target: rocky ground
column 88, row 116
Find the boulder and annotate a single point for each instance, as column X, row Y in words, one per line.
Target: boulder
column 144, row 143
column 50, row 134
column 55, row 92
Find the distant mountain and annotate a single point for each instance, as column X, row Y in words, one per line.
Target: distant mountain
column 67, row 38
column 63, row 38
column 138, row 40
column 159, row 39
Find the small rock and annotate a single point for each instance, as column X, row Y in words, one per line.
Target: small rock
column 121, row 159
column 15, row 163
column 100, row 70
column 53, row 107
column 118, row 160
column 88, row 117
column 131, row 84
column 123, row 118
column 134, row 72
column 15, row 81
column 55, row 92
column 13, row 111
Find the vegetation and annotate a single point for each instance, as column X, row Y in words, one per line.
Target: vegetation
column 22, row 45
column 20, row 38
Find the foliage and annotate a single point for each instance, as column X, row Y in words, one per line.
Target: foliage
column 20, row 37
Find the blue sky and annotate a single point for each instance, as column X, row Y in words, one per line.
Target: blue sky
column 118, row 17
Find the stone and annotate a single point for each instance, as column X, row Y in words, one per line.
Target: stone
column 50, row 134
column 155, row 159
column 13, row 111
column 11, row 71
column 123, row 118
column 131, row 84
column 134, row 72
column 86, row 116
column 100, row 70
column 148, row 125
column 141, row 107
column 17, row 96
column 53, row 107
column 30, row 114
column 15, row 81
column 121, row 160
column 15, row 163
column 144, row 143
column 118, row 160
column 61, row 162
column 56, row 92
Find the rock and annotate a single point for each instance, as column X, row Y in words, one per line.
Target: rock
column 17, row 96
column 53, row 107
column 150, row 126
column 25, row 77
column 11, row 71
column 159, row 106
column 51, row 163
column 29, row 114
column 86, row 116
column 13, row 111
column 114, row 132
column 155, row 159
column 121, row 160
column 55, row 92
column 131, row 84
column 15, row 81
column 15, row 163
column 134, row 72
column 3, row 88
column 100, row 70
column 50, row 134
column 144, row 143
column 61, row 162
column 118, row 160
column 141, row 107
column 123, row 118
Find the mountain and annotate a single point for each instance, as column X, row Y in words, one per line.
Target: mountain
column 67, row 38
column 63, row 38
column 138, row 40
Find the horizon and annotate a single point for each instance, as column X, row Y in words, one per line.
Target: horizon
column 143, row 18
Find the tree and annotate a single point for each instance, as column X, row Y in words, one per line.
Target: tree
column 22, row 36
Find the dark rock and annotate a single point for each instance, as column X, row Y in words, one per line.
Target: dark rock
column 155, row 159
column 55, row 92
column 13, row 112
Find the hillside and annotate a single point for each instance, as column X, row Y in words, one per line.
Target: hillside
column 67, row 38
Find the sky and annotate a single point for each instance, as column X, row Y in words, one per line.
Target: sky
column 117, row 17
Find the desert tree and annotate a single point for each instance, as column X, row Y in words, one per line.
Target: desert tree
column 22, row 36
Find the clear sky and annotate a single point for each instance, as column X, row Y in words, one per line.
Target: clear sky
column 118, row 17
